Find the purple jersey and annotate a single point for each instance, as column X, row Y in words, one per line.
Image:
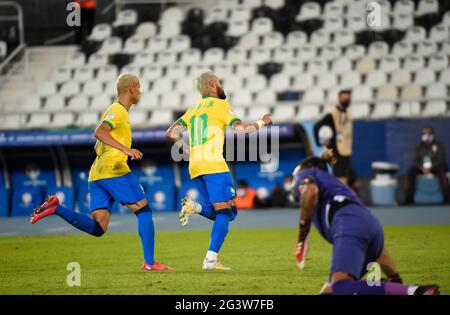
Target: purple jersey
column 331, row 190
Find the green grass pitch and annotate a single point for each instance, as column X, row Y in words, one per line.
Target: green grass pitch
column 261, row 259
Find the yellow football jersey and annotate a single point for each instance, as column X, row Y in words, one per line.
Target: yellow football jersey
column 206, row 122
column 111, row 162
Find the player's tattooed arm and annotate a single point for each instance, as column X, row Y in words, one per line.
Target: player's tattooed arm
column 175, row 134
column 102, row 133
column 243, row 127
column 309, row 197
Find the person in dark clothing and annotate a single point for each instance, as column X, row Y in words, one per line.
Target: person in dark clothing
column 429, row 158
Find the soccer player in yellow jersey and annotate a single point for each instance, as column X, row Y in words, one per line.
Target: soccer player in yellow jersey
column 206, row 122
column 110, row 177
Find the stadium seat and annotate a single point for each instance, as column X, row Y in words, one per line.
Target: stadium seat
column 260, row 55
column 354, row 52
column 88, row 119
column 175, row 71
column 383, row 110
column 236, row 55
column 190, row 56
column 69, row 89
column 413, row 63
column 411, row 92
column 3, row 50
column 54, row 103
column 306, row 53
column 319, row 38
column 162, row 85
column 330, row 52
column 404, row 6
column 46, row 88
column 152, row 73
column 415, row 34
column 78, row 103
column 145, row 30
column 309, row 10
column 111, row 46
column 160, row 117
column 402, row 49
column 437, row 62
column 308, row 112
column 272, row 40
column 130, row 68
column 313, row 95
column 126, row 17
column 280, row 82
column 75, row 60
column 408, row 109
column 240, row 14
column 255, row 83
column 356, row 23
column 435, row 108
column 184, row 85
column 61, row 75
column 365, row 65
column 333, row 24
column 97, row 61
column 31, row 103
column 445, row 47
column 376, row 79
column 38, row 121
column 166, row 58
column 425, row 48
column 170, row 100
column 387, row 92
column 292, row 67
column 255, row 113
column 426, row 7
column 350, row 79
column 389, row 64
column 133, row 45
column 12, row 121
column 303, row 81
column 444, row 77
column 317, row 66
column 213, row 56
column 378, row 49
column 190, row 99
column 403, row 20
column 216, row 14
column 100, row 32
column 242, row 98
column 107, row 73
column 362, row 93
column 100, row 102
column 327, row 80
column 435, row 91
column 223, row 69
column 139, row 118
column 25, row 200
column 343, row 38
column 169, row 29
column 266, row 97
column 156, row 44
column 237, row 28
column 333, row 9
column 360, row 110
column 284, row 113
column 424, row 76
column 148, row 101
column 180, row 43
column 83, row 74
column 296, row 39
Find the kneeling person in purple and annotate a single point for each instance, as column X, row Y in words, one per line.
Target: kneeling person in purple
column 356, row 235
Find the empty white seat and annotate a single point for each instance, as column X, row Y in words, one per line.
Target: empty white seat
column 378, row 49
column 354, row 52
column 169, row 29
column 100, row 32
column 78, row 103
column 162, row 85
column 152, row 73
column 296, row 39
column 356, row 23
column 360, row 110
column 213, row 55
column 365, row 65
column 54, row 103
column 142, row 59
column 280, row 82
column 344, row 38
column 427, row 6
column 389, row 64
column 387, row 92
column 249, row 41
column 160, row 117
column 309, row 10
column 437, row 62
column 415, row 34
column 333, row 24
column 413, row 63
column 402, row 49
column 62, row 120
column 223, row 70
column 439, row 33
column 434, row 108
column 424, row 76
column 283, row 54
column 444, row 76
column 445, row 47
column 216, row 14
column 319, row 38
column 411, row 92
column 190, row 99
column 426, row 48
column 157, row 44
column 236, row 55
column 237, row 28
column 274, row 4
column 180, row 43
column 61, row 75
column 284, row 113
column 38, row 121
column 317, row 66
column 107, row 73
column 190, row 56
column 334, row 9
column 376, row 79
column 350, row 79
column 292, row 67
column 240, row 14
column 145, row 30
column 251, row 4
column 257, row 112
column 405, row 6
column 242, row 98
column 131, row 68
column 261, row 26
column 165, row 58
column 255, row 83
column 88, row 119
column 133, row 45
column 330, row 52
column 70, row 88
column 31, row 103
column 12, row 121
column 83, row 74
column 362, row 93
column 341, row 65
column 260, row 55
column 176, row 71
column 184, row 85
column 111, row 46
column 97, row 60
column 126, row 17
column 138, row 118
column 75, row 59
column 403, row 20
column 303, row 81
column 436, row 90
column 196, row 70
column 326, row 80
column 308, row 112
column 306, row 53
column 266, row 97
column 400, row 77
column 172, row 14
column 170, row 100
column 314, row 95
column 272, row 39
column 101, row 101
column 384, row 110
column 333, row 94
column 148, row 101
column 408, row 109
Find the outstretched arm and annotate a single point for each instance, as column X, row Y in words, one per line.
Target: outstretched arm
column 102, row 133
column 243, row 127
column 308, row 203
column 175, row 134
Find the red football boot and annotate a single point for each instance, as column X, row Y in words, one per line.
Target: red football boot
column 155, row 266
column 44, row 210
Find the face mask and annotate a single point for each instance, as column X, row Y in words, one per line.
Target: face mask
column 221, row 93
column 287, row 186
column 241, row 192
column 427, row 138
column 345, row 104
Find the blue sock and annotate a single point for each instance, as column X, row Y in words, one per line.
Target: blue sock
column 146, row 231
column 220, row 229
column 82, row 222
column 207, row 210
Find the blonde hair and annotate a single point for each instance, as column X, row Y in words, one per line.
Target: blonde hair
column 125, row 80
column 201, row 83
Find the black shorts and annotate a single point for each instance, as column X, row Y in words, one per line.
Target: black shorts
column 342, row 166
